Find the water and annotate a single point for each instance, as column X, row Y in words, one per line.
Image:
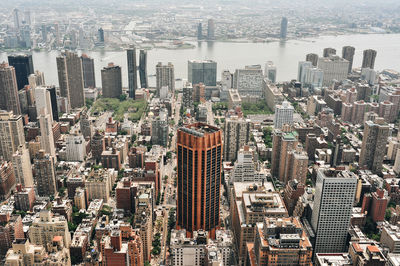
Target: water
column 231, row 56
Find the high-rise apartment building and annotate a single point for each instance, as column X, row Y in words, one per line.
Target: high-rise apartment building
column 199, row 93
column 22, row 167
column 270, row 71
column 100, row 33
column 86, row 126
column 23, row 66
column 53, row 100
column 374, row 144
column 46, row 133
column 236, row 135
column 165, row 77
column 283, row 115
column 11, row 134
column 36, row 79
column 334, row 68
column 249, row 81
column 211, row 30
column 202, row 72
column 329, row 52
column 333, row 204
column 160, row 129
column 199, row 165
column 111, row 80
column 348, row 54
column 199, row 31
column 313, row 58
column 89, row 78
column 283, row 32
column 7, row 179
column 246, row 168
column 369, row 59
column 132, row 71
column 9, row 99
column 143, row 69
column 283, row 141
column 43, row 100
column 97, row 145
column 70, row 78
column 45, row 174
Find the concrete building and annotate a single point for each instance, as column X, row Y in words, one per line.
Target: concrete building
column 45, row 176
column 165, row 77
column 296, row 166
column 283, row 141
column 46, row 133
column 200, row 249
column 272, row 94
column 246, row 167
column 22, row 167
column 98, row 184
column 227, row 79
column 144, row 83
column 24, row 198
column 47, row 226
column 75, row 148
column 373, row 146
column 195, row 209
column 144, row 220
column 43, row 101
column 160, row 129
column 333, row 203
column 281, row 241
column 23, row 65
column 348, row 54
column 9, row 89
column 329, row 52
column 111, row 158
column 210, row 30
column 236, row 135
column 249, row 81
column 7, row 179
column 89, row 79
column 97, row 145
column 390, row 238
column 283, row 115
column 111, row 80
column 293, row 191
column 188, row 98
column 36, row 79
column 283, row 32
column 86, row 126
column 369, row 56
column 70, row 78
column 11, row 134
column 199, row 93
column 234, row 99
column 313, row 58
column 9, row 232
column 202, row 72
column 334, row 68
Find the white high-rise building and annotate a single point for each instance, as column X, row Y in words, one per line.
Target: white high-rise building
column 226, row 79
column 249, row 81
column 21, row 162
column 283, row 114
column 301, row 74
column 46, row 132
column 245, row 169
column 333, row 205
column 270, row 71
column 43, row 100
column 165, row 76
column 369, row 75
column 334, row 68
column 76, row 148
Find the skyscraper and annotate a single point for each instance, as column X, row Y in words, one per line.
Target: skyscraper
column 202, row 72
column 70, row 78
column 89, row 79
column 283, row 33
column 9, row 99
column 143, row 69
column 211, row 30
column 46, row 133
column 333, row 204
column 22, row 167
column 270, row 71
column 111, row 80
column 23, row 66
column 53, row 100
column 283, row 114
column 313, row 58
column 374, row 144
column 334, row 68
column 369, row 59
column 199, row 31
column 328, row 52
column 165, row 77
column 11, row 134
column 43, row 100
column 132, row 71
column 199, row 165
column 348, row 54
column 16, row 18
column 45, row 174
column 101, row 35
column 236, row 135
column 283, row 141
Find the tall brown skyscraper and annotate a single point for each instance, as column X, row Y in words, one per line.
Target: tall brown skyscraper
column 348, row 54
column 369, row 58
column 199, row 163
column 374, row 144
column 70, row 78
column 9, row 99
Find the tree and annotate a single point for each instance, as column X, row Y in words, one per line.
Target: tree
column 122, row 97
column 388, row 214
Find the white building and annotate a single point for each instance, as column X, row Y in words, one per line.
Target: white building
column 369, row 75
column 46, row 132
column 270, row 71
column 43, row 100
column 75, row 148
column 163, row 92
column 245, row 168
column 226, row 79
column 301, row 74
column 334, row 68
column 283, row 114
column 333, row 204
column 21, row 162
column 249, row 81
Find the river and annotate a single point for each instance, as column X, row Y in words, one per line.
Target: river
column 231, row 55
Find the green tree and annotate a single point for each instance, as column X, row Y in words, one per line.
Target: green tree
column 388, row 214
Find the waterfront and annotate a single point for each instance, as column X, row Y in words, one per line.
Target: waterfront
column 231, row 56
